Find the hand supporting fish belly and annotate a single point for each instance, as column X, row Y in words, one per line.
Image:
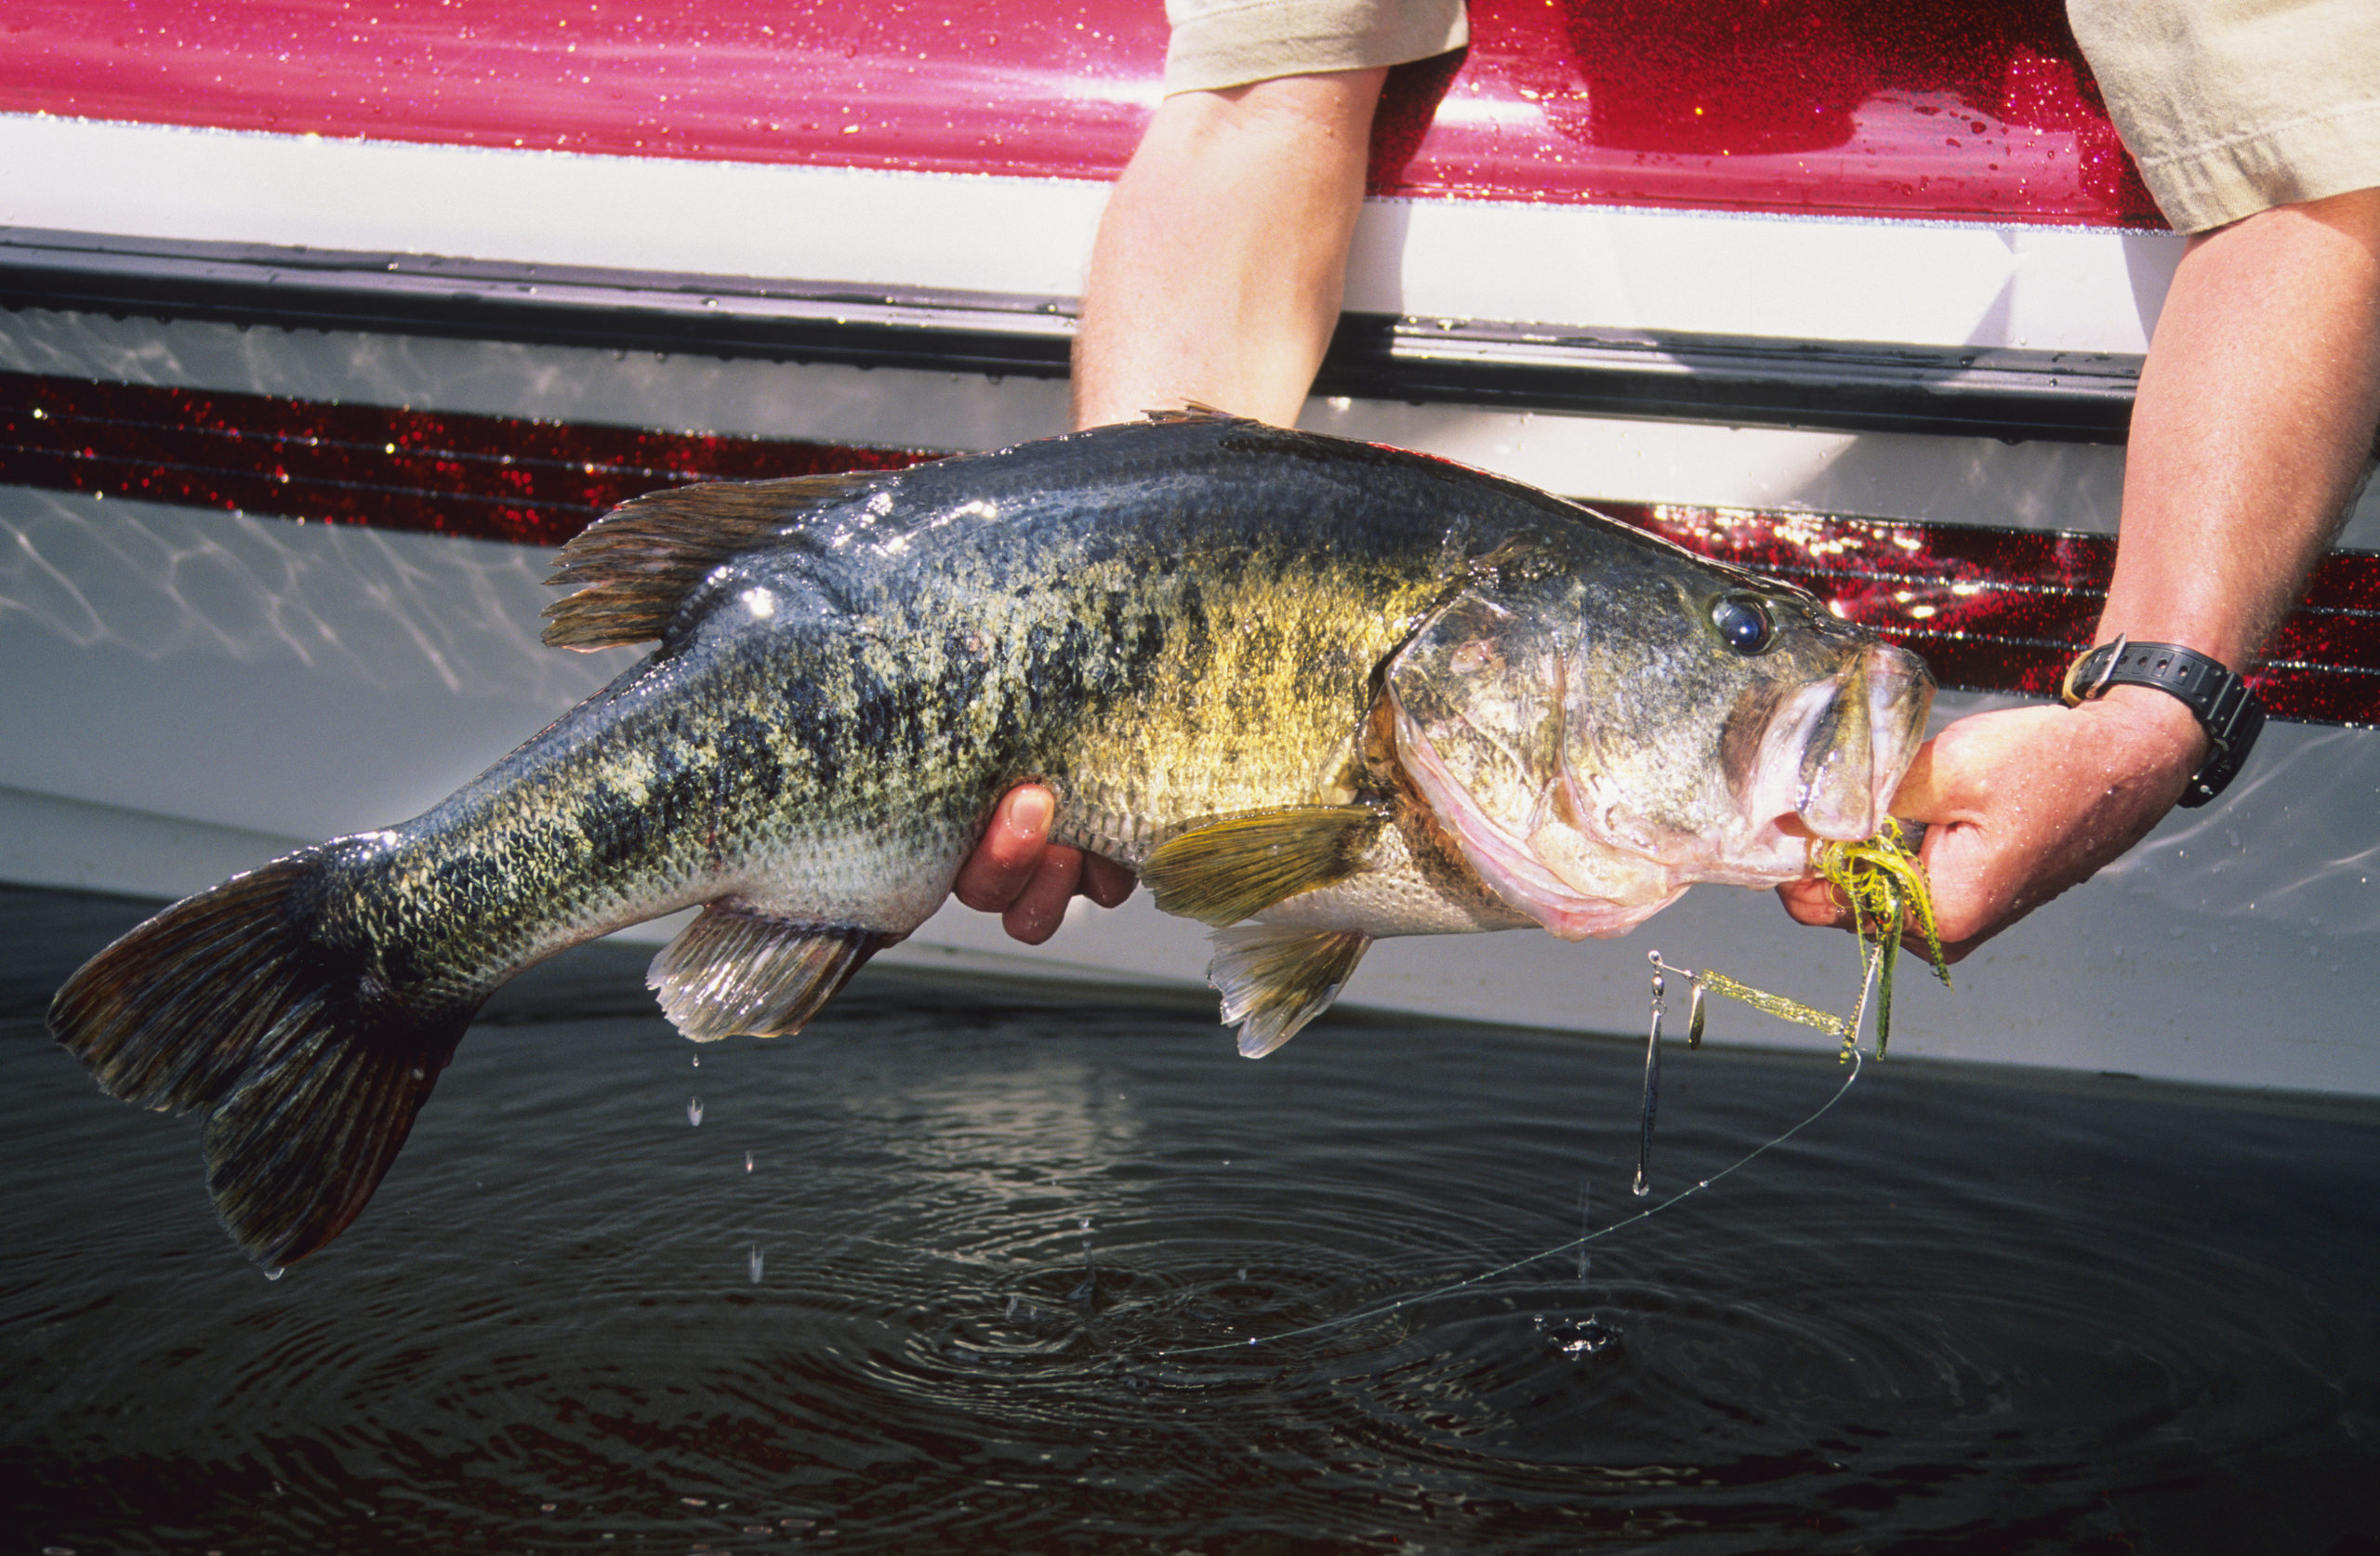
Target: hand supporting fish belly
column 1314, row 692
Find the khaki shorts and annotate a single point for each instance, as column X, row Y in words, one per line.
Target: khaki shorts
column 2232, row 106
column 1231, row 42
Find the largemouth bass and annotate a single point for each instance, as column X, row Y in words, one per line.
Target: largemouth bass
column 1315, row 691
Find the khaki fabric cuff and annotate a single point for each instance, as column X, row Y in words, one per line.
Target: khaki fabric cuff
column 1234, row 43
column 2311, row 159
column 2234, row 106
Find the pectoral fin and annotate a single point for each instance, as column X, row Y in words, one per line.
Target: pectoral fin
column 1274, row 981
column 733, row 971
column 1226, row 870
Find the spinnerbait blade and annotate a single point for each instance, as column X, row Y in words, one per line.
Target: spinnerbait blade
column 1643, row 1184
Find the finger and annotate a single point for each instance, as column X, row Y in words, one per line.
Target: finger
column 1962, row 877
column 1106, row 882
column 1813, row 902
column 1006, row 856
column 1041, row 906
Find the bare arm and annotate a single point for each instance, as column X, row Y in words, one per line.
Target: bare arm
column 2254, row 419
column 1223, row 254
column 1215, row 279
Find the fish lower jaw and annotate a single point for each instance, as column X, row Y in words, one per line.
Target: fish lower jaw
column 1766, row 854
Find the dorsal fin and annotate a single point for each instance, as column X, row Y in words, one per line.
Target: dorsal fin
column 1193, row 410
column 733, row 971
column 635, row 566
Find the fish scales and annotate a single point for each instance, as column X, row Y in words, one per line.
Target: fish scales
column 1318, row 688
column 1214, row 665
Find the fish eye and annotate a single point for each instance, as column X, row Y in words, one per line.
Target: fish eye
column 1743, row 623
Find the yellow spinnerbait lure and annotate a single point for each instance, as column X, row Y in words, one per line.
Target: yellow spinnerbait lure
column 1883, row 884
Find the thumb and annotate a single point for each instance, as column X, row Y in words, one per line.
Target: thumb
column 1922, row 795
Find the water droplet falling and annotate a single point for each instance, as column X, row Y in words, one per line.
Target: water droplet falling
column 695, row 1109
column 1090, row 1286
column 747, row 1161
column 698, row 1062
column 755, row 1263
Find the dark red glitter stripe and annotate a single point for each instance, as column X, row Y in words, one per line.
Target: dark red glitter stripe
column 2006, row 609
column 1991, row 609
column 488, row 477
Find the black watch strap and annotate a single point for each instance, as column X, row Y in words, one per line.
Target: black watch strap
column 2232, row 715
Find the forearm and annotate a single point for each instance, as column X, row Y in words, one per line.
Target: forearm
column 1218, row 271
column 2255, row 419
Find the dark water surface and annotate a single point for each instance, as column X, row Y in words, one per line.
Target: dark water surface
column 949, row 1303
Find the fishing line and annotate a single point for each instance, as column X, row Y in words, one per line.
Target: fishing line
column 1852, row 1053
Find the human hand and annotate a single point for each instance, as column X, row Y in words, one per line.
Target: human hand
column 2022, row 803
column 1019, row 874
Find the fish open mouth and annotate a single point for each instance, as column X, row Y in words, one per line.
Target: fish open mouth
column 1836, row 751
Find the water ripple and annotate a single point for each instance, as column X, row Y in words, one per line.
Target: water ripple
column 1961, row 1309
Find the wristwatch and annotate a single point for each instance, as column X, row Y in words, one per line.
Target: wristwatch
column 2231, row 713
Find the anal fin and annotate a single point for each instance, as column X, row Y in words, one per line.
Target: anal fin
column 1229, row 869
column 733, row 971
column 1274, row 981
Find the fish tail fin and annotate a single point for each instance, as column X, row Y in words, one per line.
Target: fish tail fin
column 313, row 1068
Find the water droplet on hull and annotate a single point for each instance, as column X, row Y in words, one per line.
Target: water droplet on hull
column 274, row 1272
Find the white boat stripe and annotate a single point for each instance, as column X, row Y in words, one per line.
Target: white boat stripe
column 1927, row 283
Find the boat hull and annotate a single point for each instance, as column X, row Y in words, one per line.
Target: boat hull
column 194, row 690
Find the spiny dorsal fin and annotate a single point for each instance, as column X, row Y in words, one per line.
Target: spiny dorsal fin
column 1193, row 410
column 635, row 566
column 1274, row 981
column 1225, row 870
column 733, row 970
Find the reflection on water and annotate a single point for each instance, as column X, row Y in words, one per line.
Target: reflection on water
column 932, row 1275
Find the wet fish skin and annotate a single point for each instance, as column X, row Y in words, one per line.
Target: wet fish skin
column 1173, row 624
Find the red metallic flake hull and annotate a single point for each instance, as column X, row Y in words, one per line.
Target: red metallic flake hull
column 1928, row 109
column 523, row 481
column 1991, row 609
